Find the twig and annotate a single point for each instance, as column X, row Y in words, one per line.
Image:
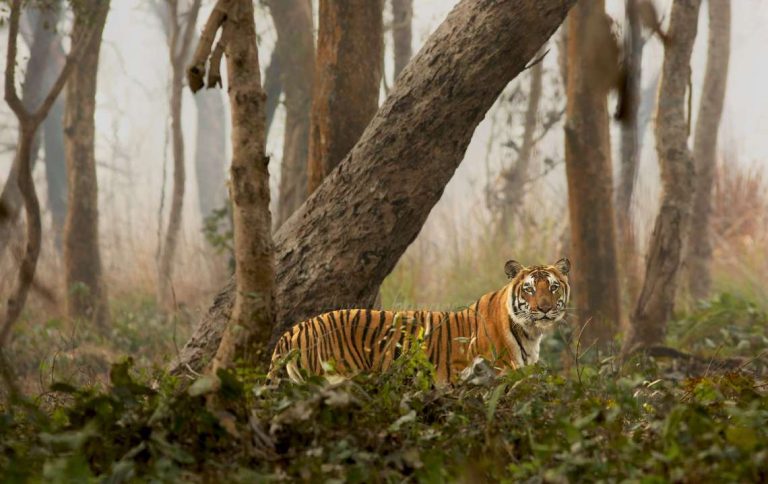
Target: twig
column 196, row 70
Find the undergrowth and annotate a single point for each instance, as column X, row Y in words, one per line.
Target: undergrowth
column 590, row 423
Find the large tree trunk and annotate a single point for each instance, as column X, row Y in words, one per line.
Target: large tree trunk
column 86, row 292
column 588, row 167
column 402, row 21
column 516, row 176
column 56, row 167
column 347, row 78
column 633, row 55
column 665, row 252
column 335, row 251
column 210, row 151
column 252, row 321
column 699, row 253
column 181, row 37
column 295, row 50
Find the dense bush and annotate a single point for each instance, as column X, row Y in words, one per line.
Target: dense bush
column 589, row 424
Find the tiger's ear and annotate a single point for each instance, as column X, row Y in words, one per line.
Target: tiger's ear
column 563, row 265
column 512, row 267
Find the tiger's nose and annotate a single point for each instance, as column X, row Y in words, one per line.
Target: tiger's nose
column 544, row 307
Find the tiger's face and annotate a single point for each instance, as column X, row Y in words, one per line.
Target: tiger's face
column 539, row 294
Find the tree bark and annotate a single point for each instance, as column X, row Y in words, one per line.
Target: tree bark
column 252, row 317
column 347, row 78
column 633, row 55
column 210, row 151
column 517, row 175
column 335, row 251
column 588, row 168
column 699, row 253
column 86, row 291
column 295, row 50
column 181, row 38
column 402, row 37
column 657, row 297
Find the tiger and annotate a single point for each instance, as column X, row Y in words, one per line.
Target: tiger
column 505, row 327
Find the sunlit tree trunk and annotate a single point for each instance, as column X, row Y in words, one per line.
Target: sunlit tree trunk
column 347, row 77
column 630, row 149
column 295, row 49
column 588, row 168
column 180, row 40
column 402, row 21
column 86, row 292
column 248, row 332
column 699, row 253
column 335, row 251
column 665, row 251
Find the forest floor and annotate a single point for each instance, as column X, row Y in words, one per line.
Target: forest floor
column 648, row 419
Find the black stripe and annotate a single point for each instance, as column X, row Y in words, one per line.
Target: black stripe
column 337, row 330
column 448, row 348
column 366, row 328
column 523, row 353
column 353, row 350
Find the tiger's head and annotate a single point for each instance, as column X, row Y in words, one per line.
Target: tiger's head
column 539, row 294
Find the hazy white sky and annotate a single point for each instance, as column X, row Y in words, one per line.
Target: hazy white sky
column 132, row 116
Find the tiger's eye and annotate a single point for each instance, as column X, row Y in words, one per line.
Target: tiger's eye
column 554, row 287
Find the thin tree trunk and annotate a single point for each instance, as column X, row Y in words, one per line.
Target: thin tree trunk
column 402, row 20
column 181, row 38
column 43, row 41
column 86, row 291
column 516, row 176
column 588, row 167
column 335, row 251
column 347, row 78
column 210, row 151
column 699, row 253
column 295, row 49
column 29, row 121
column 657, row 297
column 633, row 52
column 249, row 330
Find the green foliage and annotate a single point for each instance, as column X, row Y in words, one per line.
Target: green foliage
column 724, row 326
column 530, row 424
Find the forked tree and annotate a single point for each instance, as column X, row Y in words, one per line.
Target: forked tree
column 336, row 250
column 347, row 79
column 178, row 48
column 699, row 248
column 86, row 291
column 252, row 319
column 590, row 67
column 29, row 121
column 665, row 251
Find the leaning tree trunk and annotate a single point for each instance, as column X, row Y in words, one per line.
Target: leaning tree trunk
column 348, row 235
column 295, row 49
column 402, row 21
column 180, row 40
column 86, row 292
column 249, row 330
column 588, row 168
column 347, row 78
column 699, row 249
column 630, row 148
column 665, row 252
